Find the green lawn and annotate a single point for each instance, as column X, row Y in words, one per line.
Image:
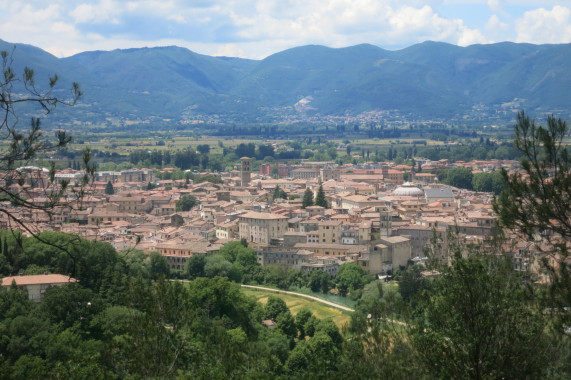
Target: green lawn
column 295, row 303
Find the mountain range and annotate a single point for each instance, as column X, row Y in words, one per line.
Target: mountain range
column 430, row 79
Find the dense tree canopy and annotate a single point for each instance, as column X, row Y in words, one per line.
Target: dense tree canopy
column 186, row 202
column 537, row 202
column 459, row 177
column 480, row 322
column 124, row 320
column 350, row 277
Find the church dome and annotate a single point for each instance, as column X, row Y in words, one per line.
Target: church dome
column 408, row 189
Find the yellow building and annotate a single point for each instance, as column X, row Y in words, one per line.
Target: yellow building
column 328, row 231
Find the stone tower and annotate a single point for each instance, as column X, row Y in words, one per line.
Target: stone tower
column 386, row 222
column 245, row 171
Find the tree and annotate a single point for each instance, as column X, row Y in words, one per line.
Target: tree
column 330, row 328
column 411, row 282
column 490, row 182
column 274, row 307
column 286, row 323
column 307, row 198
column 460, row 177
column 279, row 193
column 482, row 182
column 185, row 159
column 540, row 202
column 24, row 146
column 204, row 149
column 319, row 280
column 480, row 321
column 537, row 202
column 265, row 151
column 498, row 182
column 320, row 198
column 217, row 265
column 109, row 190
column 301, row 319
column 194, row 266
column 350, row 276
column 159, row 265
column 185, row 203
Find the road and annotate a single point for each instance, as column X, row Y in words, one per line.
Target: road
column 313, row 298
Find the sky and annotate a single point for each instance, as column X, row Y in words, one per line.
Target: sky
column 257, row 28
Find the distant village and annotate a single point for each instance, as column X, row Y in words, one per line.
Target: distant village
column 374, row 217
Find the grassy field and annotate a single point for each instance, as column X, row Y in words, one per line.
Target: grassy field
column 295, row 303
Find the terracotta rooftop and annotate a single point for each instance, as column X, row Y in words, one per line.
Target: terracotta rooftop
column 262, row 215
column 41, row 279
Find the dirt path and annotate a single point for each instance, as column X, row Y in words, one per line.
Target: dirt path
column 328, row 303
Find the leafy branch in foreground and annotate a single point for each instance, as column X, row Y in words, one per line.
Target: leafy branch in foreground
column 24, row 187
column 537, row 201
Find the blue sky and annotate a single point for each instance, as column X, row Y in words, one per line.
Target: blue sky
column 258, row 28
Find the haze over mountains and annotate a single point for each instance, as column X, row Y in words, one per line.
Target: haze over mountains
column 430, row 79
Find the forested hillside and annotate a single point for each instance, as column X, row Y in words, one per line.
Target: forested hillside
column 425, row 80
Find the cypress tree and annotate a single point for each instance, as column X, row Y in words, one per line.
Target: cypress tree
column 307, row 198
column 320, row 198
column 109, row 190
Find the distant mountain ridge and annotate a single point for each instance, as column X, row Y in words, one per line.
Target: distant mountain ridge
column 430, row 79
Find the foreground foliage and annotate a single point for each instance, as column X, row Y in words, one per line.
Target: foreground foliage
column 125, row 320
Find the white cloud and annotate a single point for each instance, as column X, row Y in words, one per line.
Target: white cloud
column 344, row 22
column 409, row 23
column 257, row 28
column 229, row 50
column 495, row 6
column 106, row 11
column 496, row 29
column 544, row 26
column 62, row 27
column 26, row 21
column 494, row 24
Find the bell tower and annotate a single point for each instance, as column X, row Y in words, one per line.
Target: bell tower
column 245, row 171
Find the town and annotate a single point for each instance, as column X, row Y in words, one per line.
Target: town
column 285, row 190
column 371, row 216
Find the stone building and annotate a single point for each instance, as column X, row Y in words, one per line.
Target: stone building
column 325, row 264
column 283, row 257
column 245, row 171
column 260, row 228
column 389, row 253
column 328, row 231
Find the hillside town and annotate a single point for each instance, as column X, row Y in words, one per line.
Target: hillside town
column 373, row 216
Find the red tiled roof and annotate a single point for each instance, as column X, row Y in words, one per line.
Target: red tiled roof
column 38, row 279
